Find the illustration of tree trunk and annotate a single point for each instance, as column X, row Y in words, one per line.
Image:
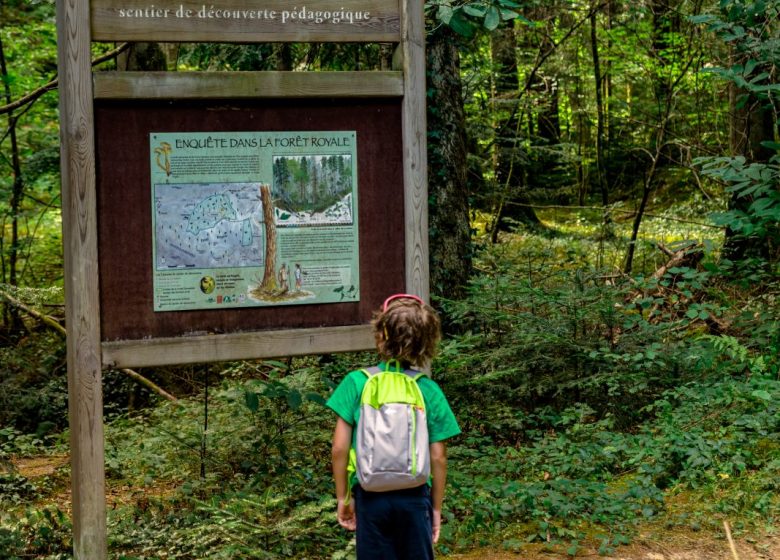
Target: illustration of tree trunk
column 269, row 276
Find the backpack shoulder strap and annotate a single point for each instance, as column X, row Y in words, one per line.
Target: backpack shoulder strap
column 371, row 371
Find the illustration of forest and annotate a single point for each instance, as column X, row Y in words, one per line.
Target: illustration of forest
column 311, row 183
column 604, row 234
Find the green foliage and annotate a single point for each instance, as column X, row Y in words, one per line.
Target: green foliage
column 33, row 384
column 15, row 489
column 43, row 533
column 757, row 219
column 468, row 18
column 265, row 490
column 28, row 36
column 534, row 333
column 747, row 26
column 576, row 476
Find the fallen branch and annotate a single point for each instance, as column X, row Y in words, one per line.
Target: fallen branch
column 681, row 257
column 731, row 540
column 134, row 375
column 611, row 210
column 55, row 325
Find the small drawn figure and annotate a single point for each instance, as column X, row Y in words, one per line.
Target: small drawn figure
column 298, row 277
column 283, row 279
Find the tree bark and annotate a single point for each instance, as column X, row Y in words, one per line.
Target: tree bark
column 510, row 184
column 12, row 322
column 750, row 125
column 601, row 175
column 450, row 238
column 143, row 56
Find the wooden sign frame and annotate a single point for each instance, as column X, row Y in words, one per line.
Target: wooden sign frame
column 79, row 23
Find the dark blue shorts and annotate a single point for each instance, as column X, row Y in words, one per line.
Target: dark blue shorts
column 395, row 525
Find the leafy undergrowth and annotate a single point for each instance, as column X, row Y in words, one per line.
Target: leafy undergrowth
column 708, row 452
column 599, row 412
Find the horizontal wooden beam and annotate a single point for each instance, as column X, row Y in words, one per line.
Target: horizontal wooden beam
column 246, row 21
column 236, row 346
column 246, row 85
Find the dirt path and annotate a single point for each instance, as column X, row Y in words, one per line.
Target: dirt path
column 668, row 546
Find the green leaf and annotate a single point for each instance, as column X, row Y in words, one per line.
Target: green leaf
column 461, row 25
column 444, row 14
column 475, row 10
column 705, row 18
column 492, row 18
column 762, row 394
column 315, row 398
column 252, row 401
column 294, row 399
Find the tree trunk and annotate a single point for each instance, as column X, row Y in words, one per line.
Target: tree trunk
column 12, row 322
column 750, row 125
column 269, row 275
column 450, row 239
column 508, row 157
column 601, row 175
column 667, row 55
column 143, row 57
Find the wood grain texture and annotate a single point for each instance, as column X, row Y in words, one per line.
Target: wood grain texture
column 414, row 142
column 238, row 346
column 85, row 396
column 246, row 21
column 246, row 85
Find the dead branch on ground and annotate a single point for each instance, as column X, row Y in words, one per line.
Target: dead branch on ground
column 55, row 325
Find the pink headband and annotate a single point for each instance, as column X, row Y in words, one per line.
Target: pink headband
column 399, row 296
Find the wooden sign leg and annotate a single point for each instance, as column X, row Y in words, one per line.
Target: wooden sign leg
column 415, row 146
column 82, row 304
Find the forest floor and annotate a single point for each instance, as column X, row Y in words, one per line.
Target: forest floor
column 651, row 544
column 675, row 545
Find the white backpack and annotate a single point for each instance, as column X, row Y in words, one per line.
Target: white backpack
column 392, row 449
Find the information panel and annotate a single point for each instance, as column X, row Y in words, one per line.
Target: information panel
column 254, row 219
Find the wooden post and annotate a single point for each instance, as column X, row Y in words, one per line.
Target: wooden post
column 415, row 161
column 82, row 313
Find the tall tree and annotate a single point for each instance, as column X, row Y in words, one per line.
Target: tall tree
column 512, row 200
column 753, row 105
column 450, row 237
column 13, row 324
column 601, row 173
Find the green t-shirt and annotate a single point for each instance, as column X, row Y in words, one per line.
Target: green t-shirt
column 345, row 401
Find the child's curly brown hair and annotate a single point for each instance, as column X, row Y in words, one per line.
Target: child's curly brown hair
column 407, row 330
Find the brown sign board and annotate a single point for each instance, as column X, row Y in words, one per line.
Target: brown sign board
column 125, row 229
column 246, row 21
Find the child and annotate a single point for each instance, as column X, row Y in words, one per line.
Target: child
column 397, row 524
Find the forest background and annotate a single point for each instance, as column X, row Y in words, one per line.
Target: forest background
column 605, row 252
